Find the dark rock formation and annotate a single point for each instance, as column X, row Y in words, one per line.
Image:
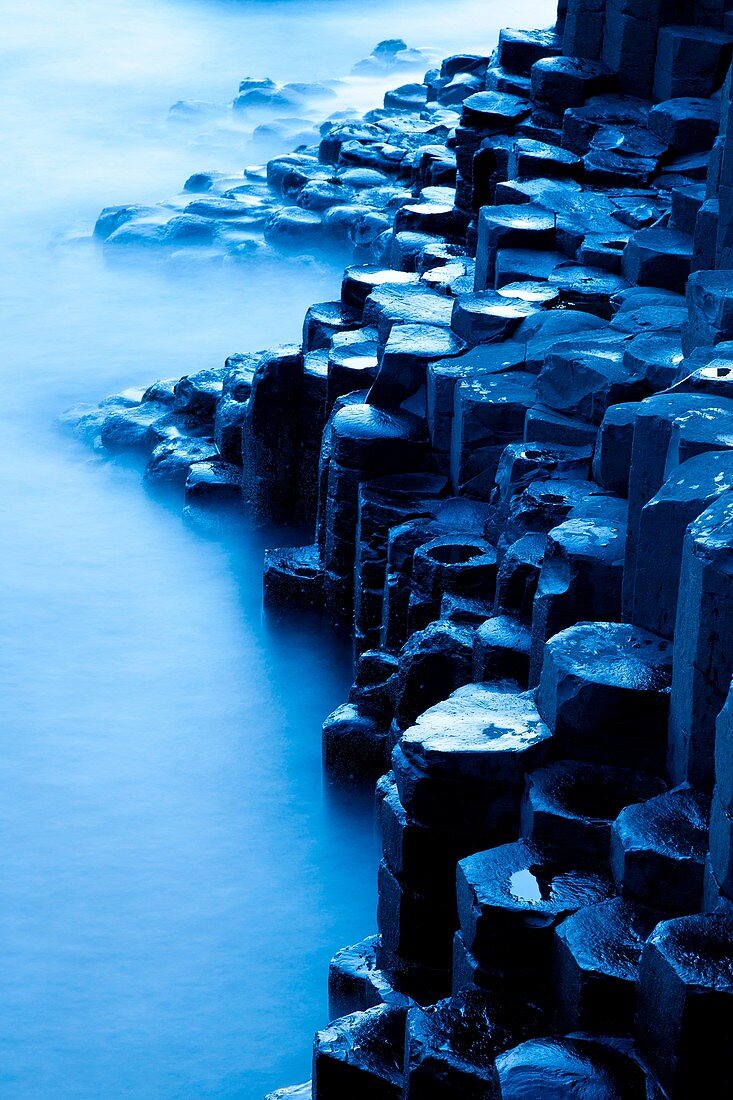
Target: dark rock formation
column 537, row 318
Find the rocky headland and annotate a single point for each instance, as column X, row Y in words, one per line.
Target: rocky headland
column 511, row 438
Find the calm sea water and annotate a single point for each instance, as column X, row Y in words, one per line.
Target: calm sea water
column 174, row 877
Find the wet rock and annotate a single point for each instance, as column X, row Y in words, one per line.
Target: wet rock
column 389, row 305
column 562, row 82
column 710, row 304
column 433, row 662
column 384, row 504
column 450, row 1046
column 612, row 458
column 170, row 461
column 597, row 955
column 359, row 282
column 583, row 29
column 293, row 229
column 480, row 734
column 604, row 692
column 523, row 463
column 404, row 360
column 720, row 858
column 198, row 394
column 424, row 857
column 162, row 391
column 586, row 288
column 584, row 377
column 231, row 409
column 292, row 1092
column 702, row 662
column 408, row 97
column 659, row 257
column 374, row 690
column 658, row 850
column 361, row 1056
column 685, row 984
column 514, row 264
column 324, row 320
column 213, row 484
column 414, row 926
column 439, row 780
column 125, row 428
column 581, row 575
column 581, row 124
column 689, row 490
column 444, row 375
column 293, row 578
column 436, row 218
column 489, row 413
column 493, row 110
column 542, row 331
column 531, row 159
column 691, row 61
column 518, row 577
column 452, row 565
column 147, row 232
column 270, row 434
column 364, row 443
column 544, row 505
column 354, row 745
column 653, row 427
column 488, row 316
column 113, row 218
column 660, row 318
column 501, row 650
column 545, row 427
column 355, row 981
column 723, row 756
column 528, row 226
column 569, row 806
column 655, row 356
column 687, row 200
column 687, row 125
column 557, row 1068
column 510, row 900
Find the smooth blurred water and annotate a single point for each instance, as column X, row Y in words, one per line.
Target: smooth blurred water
column 173, row 876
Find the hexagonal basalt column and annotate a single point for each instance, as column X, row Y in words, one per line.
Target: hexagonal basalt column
column 604, row 691
column 597, row 954
column 653, row 426
column 501, row 650
column 689, row 490
column 686, row 1003
column 449, row 565
column 384, row 504
column 361, row 1056
column 489, row 413
column 703, row 662
column 356, row 983
column 462, row 764
column 450, row 1046
column 658, row 850
column 365, row 442
column 581, row 575
column 569, row 806
column 555, row 1069
column 509, row 901
column 433, row 662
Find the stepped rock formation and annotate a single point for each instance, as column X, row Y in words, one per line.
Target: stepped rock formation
column 512, row 438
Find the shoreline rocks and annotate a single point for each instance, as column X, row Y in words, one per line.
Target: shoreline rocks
column 510, row 438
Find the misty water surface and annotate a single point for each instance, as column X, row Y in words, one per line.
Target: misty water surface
column 173, row 876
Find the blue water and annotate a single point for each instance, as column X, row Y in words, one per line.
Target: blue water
column 174, row 876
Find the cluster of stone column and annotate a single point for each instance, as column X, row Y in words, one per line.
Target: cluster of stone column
column 512, row 436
